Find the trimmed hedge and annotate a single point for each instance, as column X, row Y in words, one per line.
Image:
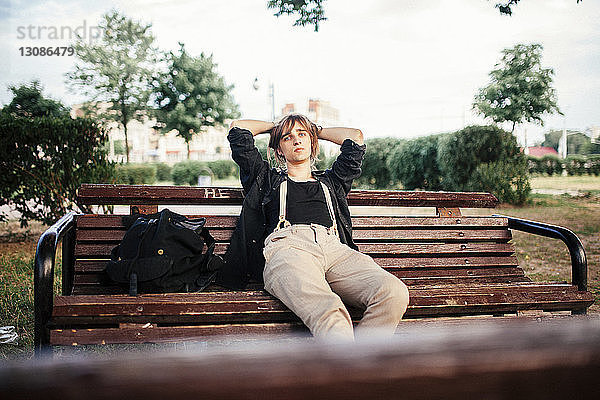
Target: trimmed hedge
column 551, row 164
column 376, row 172
column 136, row 174
column 484, row 158
column 223, row 168
column 575, row 165
column 187, row 172
column 593, row 164
column 163, row 172
column 415, row 164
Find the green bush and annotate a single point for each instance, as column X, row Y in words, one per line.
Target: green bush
column 187, row 172
column 375, row 171
column 136, row 174
column 223, row 168
column 534, row 165
column 463, row 155
column 415, row 164
column 551, row 164
column 119, row 147
column 44, row 160
column 507, row 180
column 323, row 162
column 593, row 165
column 163, row 172
column 575, row 165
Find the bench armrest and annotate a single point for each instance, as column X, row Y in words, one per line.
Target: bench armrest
column 578, row 258
column 43, row 270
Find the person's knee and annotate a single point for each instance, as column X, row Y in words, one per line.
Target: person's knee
column 396, row 294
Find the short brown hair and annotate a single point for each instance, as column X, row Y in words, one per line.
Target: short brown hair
column 285, row 125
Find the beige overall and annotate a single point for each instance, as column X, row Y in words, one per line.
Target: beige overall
column 313, row 274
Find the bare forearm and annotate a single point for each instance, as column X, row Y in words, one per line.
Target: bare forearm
column 339, row 134
column 255, row 126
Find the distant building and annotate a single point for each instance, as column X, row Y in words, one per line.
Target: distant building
column 147, row 144
column 319, row 111
column 288, row 109
column 594, row 133
column 540, row 151
column 323, row 112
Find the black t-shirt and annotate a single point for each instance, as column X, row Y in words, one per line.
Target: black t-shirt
column 306, row 204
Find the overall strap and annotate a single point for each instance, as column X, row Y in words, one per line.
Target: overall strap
column 330, row 208
column 283, row 223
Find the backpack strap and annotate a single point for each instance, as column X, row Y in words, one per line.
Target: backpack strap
column 133, row 281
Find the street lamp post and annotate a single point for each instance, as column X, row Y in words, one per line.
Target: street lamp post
column 256, row 86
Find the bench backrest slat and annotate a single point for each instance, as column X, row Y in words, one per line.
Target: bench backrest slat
column 419, row 250
column 156, row 195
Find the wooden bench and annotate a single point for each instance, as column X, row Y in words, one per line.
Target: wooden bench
column 454, row 265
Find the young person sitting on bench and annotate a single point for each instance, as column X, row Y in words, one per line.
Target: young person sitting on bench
column 295, row 234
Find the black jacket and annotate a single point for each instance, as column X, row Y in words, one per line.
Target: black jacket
column 244, row 258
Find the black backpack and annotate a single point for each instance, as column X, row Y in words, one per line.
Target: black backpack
column 163, row 252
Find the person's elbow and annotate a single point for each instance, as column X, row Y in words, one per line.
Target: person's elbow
column 234, row 123
column 358, row 136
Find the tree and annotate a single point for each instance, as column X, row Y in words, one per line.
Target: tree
column 28, row 101
column 117, row 70
column 309, row 12
column 520, row 89
column 44, row 160
column 505, row 7
column 191, row 96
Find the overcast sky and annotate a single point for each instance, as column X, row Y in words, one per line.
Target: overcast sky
column 401, row 68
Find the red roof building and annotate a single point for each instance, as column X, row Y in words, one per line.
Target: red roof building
column 540, row 151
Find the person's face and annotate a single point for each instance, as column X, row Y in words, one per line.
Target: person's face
column 295, row 145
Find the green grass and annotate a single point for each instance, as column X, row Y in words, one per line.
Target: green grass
column 16, row 302
column 545, row 259
column 582, row 183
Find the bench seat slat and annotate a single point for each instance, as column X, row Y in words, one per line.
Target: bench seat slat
column 162, row 334
column 91, row 289
column 95, row 276
column 258, row 306
column 408, row 276
column 467, row 261
column 243, row 295
column 147, row 333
